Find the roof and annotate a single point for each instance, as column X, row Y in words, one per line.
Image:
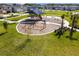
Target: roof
column 36, row 10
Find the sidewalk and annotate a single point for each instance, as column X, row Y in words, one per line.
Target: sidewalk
column 66, row 23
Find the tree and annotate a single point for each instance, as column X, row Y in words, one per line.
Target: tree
column 62, row 17
column 73, row 18
column 76, row 21
column 60, row 31
column 5, row 25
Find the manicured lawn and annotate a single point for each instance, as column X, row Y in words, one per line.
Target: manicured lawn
column 17, row 18
column 59, row 13
column 13, row 43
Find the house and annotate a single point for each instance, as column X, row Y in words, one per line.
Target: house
column 61, row 7
column 5, row 8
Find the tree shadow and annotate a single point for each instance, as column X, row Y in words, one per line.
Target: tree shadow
column 3, row 33
column 71, row 38
column 58, row 35
column 23, row 45
column 60, row 32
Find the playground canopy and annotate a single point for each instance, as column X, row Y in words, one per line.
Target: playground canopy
column 33, row 20
column 34, row 10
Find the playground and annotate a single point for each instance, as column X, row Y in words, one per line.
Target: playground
column 37, row 24
column 42, row 39
column 48, row 25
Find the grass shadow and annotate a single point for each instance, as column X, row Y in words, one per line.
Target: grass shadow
column 23, row 45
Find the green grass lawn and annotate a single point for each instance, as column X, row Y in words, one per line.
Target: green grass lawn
column 59, row 13
column 17, row 18
column 54, row 12
column 13, row 43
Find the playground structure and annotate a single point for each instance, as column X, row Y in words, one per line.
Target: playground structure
column 37, row 24
column 34, row 21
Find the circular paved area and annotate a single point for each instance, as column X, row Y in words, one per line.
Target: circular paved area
column 40, row 27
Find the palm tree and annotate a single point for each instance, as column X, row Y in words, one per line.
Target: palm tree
column 62, row 17
column 5, row 25
column 74, row 19
column 59, row 32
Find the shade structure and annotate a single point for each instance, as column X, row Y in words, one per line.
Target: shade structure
column 35, row 10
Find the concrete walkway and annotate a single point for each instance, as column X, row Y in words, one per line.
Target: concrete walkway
column 52, row 24
column 9, row 21
column 66, row 23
